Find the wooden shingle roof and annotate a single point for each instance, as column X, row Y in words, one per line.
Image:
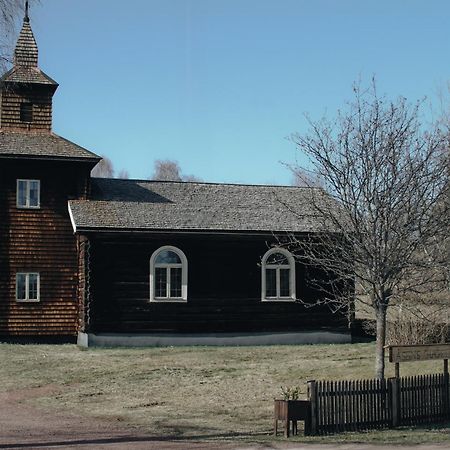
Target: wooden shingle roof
column 135, row 205
column 27, row 75
column 26, row 51
column 41, row 145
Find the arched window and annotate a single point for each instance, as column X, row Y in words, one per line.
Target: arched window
column 278, row 276
column 168, row 275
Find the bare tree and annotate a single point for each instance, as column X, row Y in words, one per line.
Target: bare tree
column 104, row 169
column 388, row 177
column 10, row 11
column 166, row 170
column 123, row 174
column 191, row 178
column 169, row 170
column 304, row 178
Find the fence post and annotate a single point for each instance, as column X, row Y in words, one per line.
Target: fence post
column 446, row 390
column 312, row 397
column 394, row 401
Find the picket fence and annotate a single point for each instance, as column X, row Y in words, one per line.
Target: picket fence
column 338, row 406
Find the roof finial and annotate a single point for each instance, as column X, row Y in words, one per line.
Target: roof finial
column 26, row 18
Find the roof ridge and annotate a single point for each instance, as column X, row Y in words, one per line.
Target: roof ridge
column 215, row 183
column 52, row 133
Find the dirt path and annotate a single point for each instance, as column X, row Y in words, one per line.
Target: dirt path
column 23, row 426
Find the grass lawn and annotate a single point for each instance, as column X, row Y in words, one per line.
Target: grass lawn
column 202, row 392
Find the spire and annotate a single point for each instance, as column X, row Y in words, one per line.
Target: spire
column 26, row 18
column 26, row 52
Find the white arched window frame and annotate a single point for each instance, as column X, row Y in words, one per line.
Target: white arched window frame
column 165, row 273
column 277, row 272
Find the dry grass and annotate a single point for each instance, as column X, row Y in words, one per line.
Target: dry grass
column 208, row 392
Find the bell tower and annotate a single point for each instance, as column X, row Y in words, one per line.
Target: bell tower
column 26, row 92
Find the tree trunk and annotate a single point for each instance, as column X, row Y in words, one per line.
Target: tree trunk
column 381, row 340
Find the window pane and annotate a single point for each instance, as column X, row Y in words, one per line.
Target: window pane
column 160, row 282
column 33, row 286
column 34, row 193
column 167, row 257
column 277, row 258
column 22, row 193
column 271, row 283
column 21, row 286
column 284, row 283
column 175, row 281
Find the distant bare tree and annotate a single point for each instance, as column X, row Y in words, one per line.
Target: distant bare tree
column 104, row 169
column 169, row 170
column 388, row 177
column 123, row 174
column 191, row 178
column 166, row 170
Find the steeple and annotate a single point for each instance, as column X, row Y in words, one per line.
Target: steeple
column 26, row 92
column 26, row 52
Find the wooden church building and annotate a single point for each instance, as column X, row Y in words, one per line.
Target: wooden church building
column 131, row 262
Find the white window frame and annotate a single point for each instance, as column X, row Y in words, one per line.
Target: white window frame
column 27, row 288
column 184, row 275
column 291, row 265
column 27, row 194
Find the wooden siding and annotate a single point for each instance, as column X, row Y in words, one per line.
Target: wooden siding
column 39, row 240
column 224, row 288
column 40, row 98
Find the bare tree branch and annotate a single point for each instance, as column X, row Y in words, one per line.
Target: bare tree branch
column 388, row 223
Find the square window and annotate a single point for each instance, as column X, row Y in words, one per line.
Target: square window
column 28, row 193
column 27, row 287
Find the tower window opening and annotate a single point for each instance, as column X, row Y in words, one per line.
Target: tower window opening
column 26, row 112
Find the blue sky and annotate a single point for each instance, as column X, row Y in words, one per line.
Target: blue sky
column 219, row 85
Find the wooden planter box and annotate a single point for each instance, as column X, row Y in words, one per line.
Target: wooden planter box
column 290, row 411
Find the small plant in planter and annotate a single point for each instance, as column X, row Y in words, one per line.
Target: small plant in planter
column 291, row 393
column 290, row 409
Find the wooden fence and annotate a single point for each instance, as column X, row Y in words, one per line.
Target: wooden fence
column 368, row 404
column 423, row 399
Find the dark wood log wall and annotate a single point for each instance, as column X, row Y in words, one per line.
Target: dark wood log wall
column 39, row 240
column 224, row 288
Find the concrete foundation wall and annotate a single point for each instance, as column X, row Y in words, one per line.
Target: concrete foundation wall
column 167, row 339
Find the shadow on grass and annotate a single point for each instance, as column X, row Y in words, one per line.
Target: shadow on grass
column 124, row 439
column 179, row 434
